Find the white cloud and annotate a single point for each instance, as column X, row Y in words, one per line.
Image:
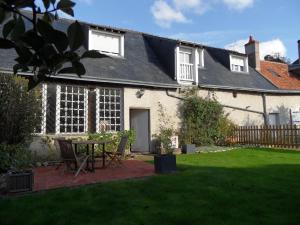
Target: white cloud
column 165, row 15
column 275, row 46
column 238, row 4
column 167, row 12
column 197, row 6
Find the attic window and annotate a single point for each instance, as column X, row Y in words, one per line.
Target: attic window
column 106, row 42
column 238, row 64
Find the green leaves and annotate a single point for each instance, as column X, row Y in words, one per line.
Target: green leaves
column 6, row 44
column 58, row 38
column 42, row 49
column 66, row 6
column 75, row 36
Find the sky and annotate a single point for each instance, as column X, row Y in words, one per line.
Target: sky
column 218, row 23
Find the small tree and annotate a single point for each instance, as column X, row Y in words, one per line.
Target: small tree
column 165, row 131
column 203, row 120
column 42, row 49
column 20, row 110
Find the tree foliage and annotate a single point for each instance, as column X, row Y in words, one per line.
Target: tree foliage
column 42, row 49
column 20, row 110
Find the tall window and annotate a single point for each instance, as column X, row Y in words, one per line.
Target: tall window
column 109, row 109
column 72, row 109
column 106, row 43
column 239, row 64
column 186, row 64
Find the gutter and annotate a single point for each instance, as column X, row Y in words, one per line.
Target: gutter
column 279, row 91
column 225, row 106
column 103, row 80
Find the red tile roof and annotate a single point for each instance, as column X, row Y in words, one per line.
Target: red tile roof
column 279, row 75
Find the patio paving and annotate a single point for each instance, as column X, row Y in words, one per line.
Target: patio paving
column 48, row 178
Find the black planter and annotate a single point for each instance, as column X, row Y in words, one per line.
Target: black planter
column 165, row 163
column 188, row 148
column 19, row 181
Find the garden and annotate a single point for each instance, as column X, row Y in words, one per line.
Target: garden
column 242, row 186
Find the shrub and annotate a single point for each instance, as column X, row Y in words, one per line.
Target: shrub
column 14, row 158
column 165, row 132
column 115, row 137
column 20, row 109
column 203, row 121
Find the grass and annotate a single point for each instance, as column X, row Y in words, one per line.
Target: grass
column 238, row 187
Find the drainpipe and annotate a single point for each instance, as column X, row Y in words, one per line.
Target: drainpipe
column 265, row 114
column 228, row 106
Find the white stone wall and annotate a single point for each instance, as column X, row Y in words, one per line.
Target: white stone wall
column 150, row 100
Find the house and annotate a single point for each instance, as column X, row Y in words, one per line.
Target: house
column 143, row 70
column 284, row 77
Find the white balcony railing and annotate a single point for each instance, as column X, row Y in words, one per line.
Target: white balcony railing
column 186, row 72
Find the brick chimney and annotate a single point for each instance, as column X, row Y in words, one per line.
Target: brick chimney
column 252, row 50
column 299, row 51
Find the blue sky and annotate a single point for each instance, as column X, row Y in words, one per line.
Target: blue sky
column 219, row 23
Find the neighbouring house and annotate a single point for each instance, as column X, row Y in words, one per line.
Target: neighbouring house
column 284, row 77
column 143, row 70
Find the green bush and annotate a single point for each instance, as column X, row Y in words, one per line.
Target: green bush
column 14, row 158
column 115, row 137
column 203, row 121
column 165, row 132
column 19, row 109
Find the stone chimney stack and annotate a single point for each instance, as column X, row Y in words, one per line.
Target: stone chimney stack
column 299, row 51
column 252, row 50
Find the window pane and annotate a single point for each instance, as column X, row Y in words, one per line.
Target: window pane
column 107, row 110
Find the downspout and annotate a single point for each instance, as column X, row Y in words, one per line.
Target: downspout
column 231, row 107
column 265, row 114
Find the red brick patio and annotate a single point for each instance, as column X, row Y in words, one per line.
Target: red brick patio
column 48, row 178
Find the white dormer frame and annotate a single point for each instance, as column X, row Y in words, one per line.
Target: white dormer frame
column 118, row 35
column 244, row 58
column 197, row 61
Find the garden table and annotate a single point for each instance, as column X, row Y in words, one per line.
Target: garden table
column 92, row 143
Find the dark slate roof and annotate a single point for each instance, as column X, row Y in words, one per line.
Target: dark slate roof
column 149, row 60
column 216, row 72
column 140, row 64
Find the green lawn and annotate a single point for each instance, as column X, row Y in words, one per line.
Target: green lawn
column 237, row 187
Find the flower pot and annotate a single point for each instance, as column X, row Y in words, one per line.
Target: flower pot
column 165, row 163
column 19, row 181
column 188, row 148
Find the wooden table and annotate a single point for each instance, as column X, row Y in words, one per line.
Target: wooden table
column 92, row 143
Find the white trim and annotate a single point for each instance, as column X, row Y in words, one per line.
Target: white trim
column 86, row 107
column 44, row 108
column 97, row 110
column 119, row 36
column 57, row 113
column 244, row 58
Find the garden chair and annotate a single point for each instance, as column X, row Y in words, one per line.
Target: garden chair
column 69, row 156
column 116, row 157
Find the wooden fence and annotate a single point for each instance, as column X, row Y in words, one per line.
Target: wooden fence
column 284, row 136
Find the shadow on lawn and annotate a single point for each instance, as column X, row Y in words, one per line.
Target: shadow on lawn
column 203, row 195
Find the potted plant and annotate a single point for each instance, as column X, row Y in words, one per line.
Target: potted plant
column 16, row 175
column 164, row 161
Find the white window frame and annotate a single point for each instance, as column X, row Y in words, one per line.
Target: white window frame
column 121, row 42
column 197, row 53
column 58, row 108
column 115, row 110
column 200, row 58
column 244, row 58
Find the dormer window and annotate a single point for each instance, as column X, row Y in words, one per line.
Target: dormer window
column 189, row 59
column 106, row 42
column 239, row 64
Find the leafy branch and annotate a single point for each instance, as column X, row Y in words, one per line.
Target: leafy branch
column 42, row 49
